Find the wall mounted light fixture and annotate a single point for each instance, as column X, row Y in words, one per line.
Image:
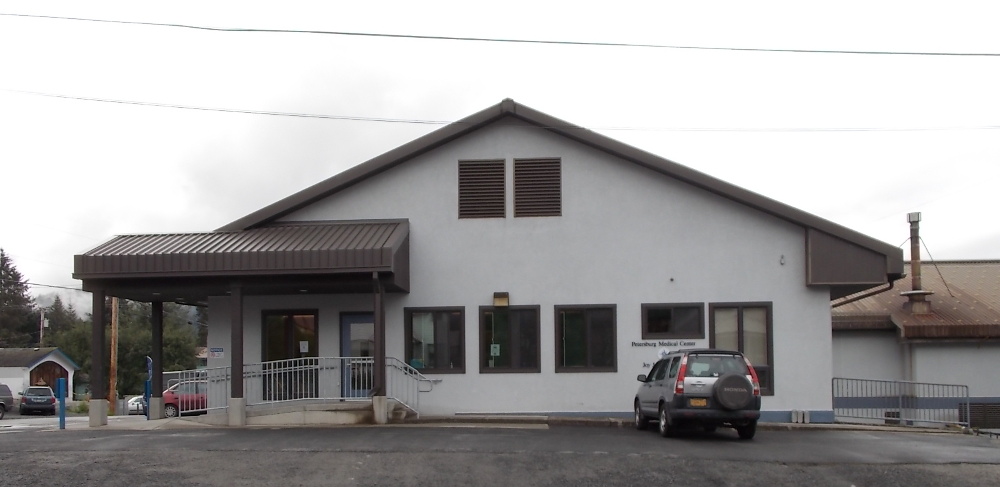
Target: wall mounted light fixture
column 501, row 299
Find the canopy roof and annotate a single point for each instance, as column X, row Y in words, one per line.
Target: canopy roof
column 287, row 258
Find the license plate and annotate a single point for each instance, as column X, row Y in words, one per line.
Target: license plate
column 698, row 402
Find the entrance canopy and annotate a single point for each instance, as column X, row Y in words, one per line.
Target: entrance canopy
column 281, row 258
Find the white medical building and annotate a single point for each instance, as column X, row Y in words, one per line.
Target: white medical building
column 521, row 263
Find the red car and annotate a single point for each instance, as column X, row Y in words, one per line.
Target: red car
column 185, row 397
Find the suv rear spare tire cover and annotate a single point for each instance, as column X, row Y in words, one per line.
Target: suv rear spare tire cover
column 733, row 391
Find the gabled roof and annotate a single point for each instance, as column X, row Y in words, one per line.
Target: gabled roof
column 30, row 357
column 965, row 303
column 839, row 257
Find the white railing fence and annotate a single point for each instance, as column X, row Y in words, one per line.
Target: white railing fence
column 900, row 402
column 311, row 379
column 404, row 384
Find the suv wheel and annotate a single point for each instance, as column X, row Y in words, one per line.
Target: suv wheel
column 640, row 419
column 733, row 391
column 170, row 411
column 747, row 431
column 3, row 411
column 667, row 428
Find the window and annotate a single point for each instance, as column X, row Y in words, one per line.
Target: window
column 658, row 372
column 585, row 339
column 537, row 187
column 675, row 365
column 509, row 339
column 672, row 321
column 481, row 189
column 289, row 335
column 746, row 327
column 436, row 339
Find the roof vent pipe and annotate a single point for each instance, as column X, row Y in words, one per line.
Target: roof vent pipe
column 917, row 297
column 914, row 219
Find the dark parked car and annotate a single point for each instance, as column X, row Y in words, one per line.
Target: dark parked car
column 6, row 400
column 38, row 399
column 701, row 387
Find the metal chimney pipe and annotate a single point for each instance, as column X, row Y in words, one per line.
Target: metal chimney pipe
column 919, row 305
column 914, row 219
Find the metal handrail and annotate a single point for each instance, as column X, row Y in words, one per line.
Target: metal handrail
column 900, row 402
column 311, row 379
column 403, row 384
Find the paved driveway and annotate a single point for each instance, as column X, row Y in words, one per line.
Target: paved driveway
column 443, row 455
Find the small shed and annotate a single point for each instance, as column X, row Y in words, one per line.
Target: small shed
column 23, row 367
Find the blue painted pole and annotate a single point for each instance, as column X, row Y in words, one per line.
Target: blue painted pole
column 145, row 395
column 61, row 391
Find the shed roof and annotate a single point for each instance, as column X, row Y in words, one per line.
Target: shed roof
column 283, row 255
column 29, row 357
column 965, row 303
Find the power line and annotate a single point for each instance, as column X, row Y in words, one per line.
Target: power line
column 516, row 41
column 234, row 110
column 35, row 284
column 443, row 122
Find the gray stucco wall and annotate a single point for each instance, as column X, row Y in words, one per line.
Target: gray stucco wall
column 627, row 236
column 966, row 363
column 867, row 355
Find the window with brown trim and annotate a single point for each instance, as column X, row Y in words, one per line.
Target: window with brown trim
column 285, row 331
column 537, row 187
column 585, row 339
column 746, row 327
column 481, row 189
column 435, row 339
column 509, row 338
column 672, row 321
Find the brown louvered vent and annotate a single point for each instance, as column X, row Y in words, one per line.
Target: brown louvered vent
column 537, row 187
column 481, row 189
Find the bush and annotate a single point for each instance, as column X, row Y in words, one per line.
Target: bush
column 82, row 407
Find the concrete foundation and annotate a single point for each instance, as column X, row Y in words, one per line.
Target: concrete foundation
column 156, row 408
column 237, row 411
column 98, row 412
column 380, row 408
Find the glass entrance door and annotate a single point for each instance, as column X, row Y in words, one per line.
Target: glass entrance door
column 357, row 341
column 289, row 352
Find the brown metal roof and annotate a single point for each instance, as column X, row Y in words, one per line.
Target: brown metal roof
column 846, row 265
column 965, row 303
column 270, row 254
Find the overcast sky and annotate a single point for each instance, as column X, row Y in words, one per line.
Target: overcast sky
column 858, row 139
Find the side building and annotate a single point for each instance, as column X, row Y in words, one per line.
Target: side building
column 945, row 330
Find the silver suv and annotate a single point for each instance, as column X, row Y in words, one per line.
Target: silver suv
column 700, row 387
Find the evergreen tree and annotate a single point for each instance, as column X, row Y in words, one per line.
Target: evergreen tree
column 18, row 319
column 135, row 338
column 60, row 317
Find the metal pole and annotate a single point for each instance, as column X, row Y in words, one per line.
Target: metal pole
column 379, row 388
column 915, row 251
column 97, row 360
column 113, row 372
column 61, row 391
column 236, row 340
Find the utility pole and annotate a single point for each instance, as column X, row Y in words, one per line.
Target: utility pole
column 113, row 388
column 41, row 329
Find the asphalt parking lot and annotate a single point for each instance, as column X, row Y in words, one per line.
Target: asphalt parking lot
column 132, row 451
